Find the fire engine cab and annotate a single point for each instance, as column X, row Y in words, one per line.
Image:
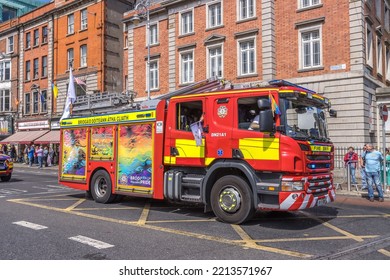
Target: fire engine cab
column 234, row 151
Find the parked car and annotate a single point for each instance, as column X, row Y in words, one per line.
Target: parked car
column 6, row 168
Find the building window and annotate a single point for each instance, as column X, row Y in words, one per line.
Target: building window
column 70, row 24
column 378, row 8
column 388, row 64
column 10, row 44
column 214, row 15
column 308, row 3
column 215, row 65
column 369, row 46
column 154, row 84
column 36, row 37
column 187, row 67
column 43, row 97
column 5, row 71
column 310, row 48
column 44, row 66
column 5, row 100
column 153, row 34
column 246, row 9
column 187, row 23
column 35, row 102
column 44, row 34
column 28, row 70
column 126, row 42
column 27, row 103
column 70, row 58
column 379, row 55
column 8, row 13
column 247, row 57
column 28, row 40
column 36, row 68
column 83, row 56
column 83, row 19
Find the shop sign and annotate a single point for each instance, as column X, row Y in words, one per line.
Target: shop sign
column 34, row 125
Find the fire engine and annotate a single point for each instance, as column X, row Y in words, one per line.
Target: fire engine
column 234, row 150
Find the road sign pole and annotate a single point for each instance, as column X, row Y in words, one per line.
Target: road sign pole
column 384, row 114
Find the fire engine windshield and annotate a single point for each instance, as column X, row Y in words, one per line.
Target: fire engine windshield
column 302, row 121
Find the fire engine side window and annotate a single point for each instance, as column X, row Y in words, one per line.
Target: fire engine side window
column 248, row 113
column 188, row 113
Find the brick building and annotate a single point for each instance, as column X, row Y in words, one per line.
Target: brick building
column 338, row 48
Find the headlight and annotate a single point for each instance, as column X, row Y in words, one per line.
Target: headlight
column 290, row 186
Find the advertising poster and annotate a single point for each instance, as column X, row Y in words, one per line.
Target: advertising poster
column 102, row 142
column 74, row 152
column 135, row 148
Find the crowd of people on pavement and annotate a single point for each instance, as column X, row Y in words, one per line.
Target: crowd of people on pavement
column 33, row 155
column 371, row 167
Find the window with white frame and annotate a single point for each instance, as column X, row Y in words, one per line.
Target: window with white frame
column 379, row 55
column 83, row 56
column 28, row 70
column 153, row 75
column 83, row 19
column 387, row 64
column 27, row 103
column 35, row 102
column 308, row 3
column 70, row 58
column 369, row 46
column 36, row 37
column 36, row 68
column 214, row 15
column 247, row 57
column 215, row 61
column 153, row 34
column 246, row 9
column 44, row 66
column 5, row 71
column 310, row 48
column 187, row 67
column 10, row 44
column 43, row 97
column 70, row 24
column 44, row 34
column 28, row 40
column 5, row 99
column 187, row 23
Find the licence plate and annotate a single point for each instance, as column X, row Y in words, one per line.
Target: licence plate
column 321, row 201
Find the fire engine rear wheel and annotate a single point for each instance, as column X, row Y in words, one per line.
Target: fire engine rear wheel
column 232, row 200
column 101, row 187
column 6, row 178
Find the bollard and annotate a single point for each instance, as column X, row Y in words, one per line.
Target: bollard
column 349, row 177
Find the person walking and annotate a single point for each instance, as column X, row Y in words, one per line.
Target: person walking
column 31, row 153
column 50, row 158
column 13, row 153
column 351, row 160
column 25, row 154
column 373, row 160
column 40, row 156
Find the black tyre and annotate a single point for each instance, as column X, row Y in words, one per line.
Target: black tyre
column 232, row 200
column 6, row 178
column 101, row 187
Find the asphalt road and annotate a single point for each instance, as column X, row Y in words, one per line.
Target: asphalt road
column 41, row 220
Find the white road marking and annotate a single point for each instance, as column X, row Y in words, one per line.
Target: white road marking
column 91, row 242
column 29, row 225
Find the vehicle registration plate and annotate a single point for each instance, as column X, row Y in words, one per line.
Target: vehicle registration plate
column 321, row 201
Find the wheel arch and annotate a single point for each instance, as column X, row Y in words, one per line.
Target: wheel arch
column 228, row 167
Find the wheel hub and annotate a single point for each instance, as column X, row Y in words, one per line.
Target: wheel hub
column 101, row 187
column 230, row 200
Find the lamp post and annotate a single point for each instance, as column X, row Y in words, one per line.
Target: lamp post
column 143, row 8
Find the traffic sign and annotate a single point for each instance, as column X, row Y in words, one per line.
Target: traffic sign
column 383, row 112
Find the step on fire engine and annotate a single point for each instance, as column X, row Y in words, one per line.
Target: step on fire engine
column 234, row 150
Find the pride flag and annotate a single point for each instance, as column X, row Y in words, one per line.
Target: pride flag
column 274, row 105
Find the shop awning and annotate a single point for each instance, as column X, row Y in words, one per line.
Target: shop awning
column 23, row 137
column 52, row 137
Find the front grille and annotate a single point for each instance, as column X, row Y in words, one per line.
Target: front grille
column 318, row 157
column 318, row 184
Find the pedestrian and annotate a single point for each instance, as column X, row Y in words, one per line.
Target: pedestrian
column 362, row 169
column 45, row 155
column 387, row 167
column 40, row 156
column 25, row 154
column 4, row 149
column 50, row 158
column 351, row 160
column 373, row 160
column 13, row 153
column 31, row 153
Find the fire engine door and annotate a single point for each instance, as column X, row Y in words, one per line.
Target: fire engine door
column 187, row 147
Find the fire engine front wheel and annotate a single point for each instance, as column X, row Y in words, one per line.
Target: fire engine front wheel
column 232, row 200
column 101, row 187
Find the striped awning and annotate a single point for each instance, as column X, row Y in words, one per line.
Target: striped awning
column 52, row 137
column 24, row 137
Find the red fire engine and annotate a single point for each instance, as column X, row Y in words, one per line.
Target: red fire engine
column 234, row 151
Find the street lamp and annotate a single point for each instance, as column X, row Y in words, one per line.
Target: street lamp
column 143, row 13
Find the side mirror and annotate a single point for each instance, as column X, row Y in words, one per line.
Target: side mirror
column 263, row 104
column 332, row 113
column 266, row 122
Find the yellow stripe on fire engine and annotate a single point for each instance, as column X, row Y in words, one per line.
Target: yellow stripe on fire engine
column 112, row 118
column 169, row 160
column 260, row 148
column 188, row 149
